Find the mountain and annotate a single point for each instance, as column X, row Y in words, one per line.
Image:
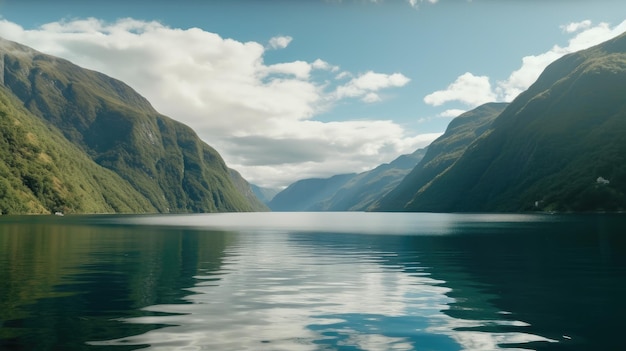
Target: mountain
column 365, row 188
column 348, row 192
column 119, row 130
column 441, row 154
column 245, row 188
column 306, row 194
column 264, row 194
column 559, row 146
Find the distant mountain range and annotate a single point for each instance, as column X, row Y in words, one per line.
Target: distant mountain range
column 346, row 192
column 264, row 194
column 78, row 141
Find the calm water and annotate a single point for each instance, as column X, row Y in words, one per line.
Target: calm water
column 313, row 281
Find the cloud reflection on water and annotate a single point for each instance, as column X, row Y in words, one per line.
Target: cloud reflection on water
column 279, row 291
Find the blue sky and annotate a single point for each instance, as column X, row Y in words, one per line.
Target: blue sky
column 291, row 89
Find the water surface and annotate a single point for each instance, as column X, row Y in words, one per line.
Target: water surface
column 313, row 281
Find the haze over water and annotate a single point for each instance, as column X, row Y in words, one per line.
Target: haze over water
column 313, row 281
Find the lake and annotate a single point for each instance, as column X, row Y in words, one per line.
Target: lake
column 313, row 281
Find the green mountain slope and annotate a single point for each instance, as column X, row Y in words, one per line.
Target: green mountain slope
column 441, row 154
column 347, row 192
column 559, row 146
column 41, row 172
column 161, row 158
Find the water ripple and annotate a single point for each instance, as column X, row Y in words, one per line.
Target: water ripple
column 277, row 292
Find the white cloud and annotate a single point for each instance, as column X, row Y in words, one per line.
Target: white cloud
column 371, row 97
column 452, row 113
column 298, row 69
column 323, row 65
column 280, row 42
column 474, row 90
column 469, row 89
column 222, row 88
column 343, row 75
column 366, row 85
column 576, row 26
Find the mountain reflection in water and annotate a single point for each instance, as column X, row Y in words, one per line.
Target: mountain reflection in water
column 286, row 281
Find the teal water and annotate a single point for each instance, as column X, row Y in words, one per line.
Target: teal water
column 313, row 281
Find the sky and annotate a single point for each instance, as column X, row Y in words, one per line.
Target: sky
column 294, row 89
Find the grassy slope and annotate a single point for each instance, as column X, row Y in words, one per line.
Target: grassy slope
column 550, row 145
column 163, row 159
column 441, row 154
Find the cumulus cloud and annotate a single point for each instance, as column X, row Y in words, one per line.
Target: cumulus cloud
column 366, row 85
column 323, row 65
column 576, row 26
column 452, row 113
column 280, row 42
column 298, row 69
column 371, row 97
column 474, row 90
column 469, row 89
column 249, row 110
